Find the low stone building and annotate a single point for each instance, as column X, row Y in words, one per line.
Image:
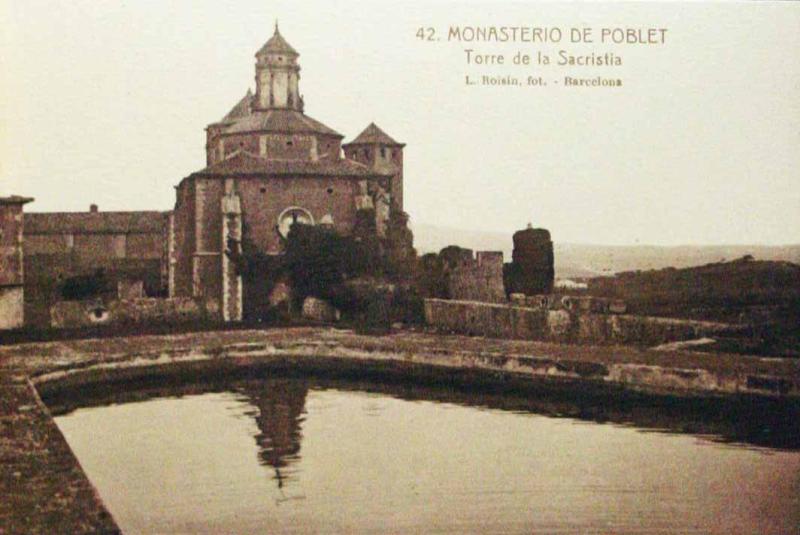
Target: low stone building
column 60, row 246
column 12, row 267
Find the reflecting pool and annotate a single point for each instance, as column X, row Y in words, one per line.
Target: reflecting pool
column 287, row 455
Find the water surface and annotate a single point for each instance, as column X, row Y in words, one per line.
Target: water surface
column 289, row 456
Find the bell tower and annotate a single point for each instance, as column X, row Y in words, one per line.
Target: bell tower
column 378, row 151
column 277, row 76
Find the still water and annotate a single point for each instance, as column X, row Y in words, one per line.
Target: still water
column 290, row 456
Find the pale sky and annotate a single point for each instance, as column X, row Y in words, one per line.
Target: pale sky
column 106, row 102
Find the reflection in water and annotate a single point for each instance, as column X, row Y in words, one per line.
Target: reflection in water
column 227, row 458
column 748, row 421
column 280, row 404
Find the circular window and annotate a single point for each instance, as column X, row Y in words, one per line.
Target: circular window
column 293, row 215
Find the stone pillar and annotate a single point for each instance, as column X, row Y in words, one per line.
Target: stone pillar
column 199, row 246
column 231, row 237
column 382, row 211
column 172, row 259
column 12, row 277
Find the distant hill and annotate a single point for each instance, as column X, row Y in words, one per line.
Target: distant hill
column 582, row 260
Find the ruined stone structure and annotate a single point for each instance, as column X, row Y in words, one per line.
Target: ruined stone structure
column 474, row 279
column 270, row 165
column 12, row 312
column 532, row 268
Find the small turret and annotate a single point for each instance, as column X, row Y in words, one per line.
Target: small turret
column 377, row 150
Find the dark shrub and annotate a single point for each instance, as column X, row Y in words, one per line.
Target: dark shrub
column 86, row 286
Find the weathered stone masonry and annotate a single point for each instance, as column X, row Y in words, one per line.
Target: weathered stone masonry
column 12, row 312
column 560, row 325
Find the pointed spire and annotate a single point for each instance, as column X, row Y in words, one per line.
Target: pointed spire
column 277, row 44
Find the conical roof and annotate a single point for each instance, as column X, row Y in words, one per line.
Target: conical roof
column 277, row 45
column 372, row 135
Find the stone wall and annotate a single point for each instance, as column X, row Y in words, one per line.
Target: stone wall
column 73, row 314
column 516, row 322
column 12, row 307
column 62, row 245
column 473, row 279
column 479, row 280
column 382, row 158
column 45, row 275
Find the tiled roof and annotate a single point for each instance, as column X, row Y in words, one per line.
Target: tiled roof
column 278, row 121
column 242, row 109
column 246, row 163
column 93, row 222
column 277, row 45
column 15, row 199
column 374, row 135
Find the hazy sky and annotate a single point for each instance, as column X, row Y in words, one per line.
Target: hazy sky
column 106, row 102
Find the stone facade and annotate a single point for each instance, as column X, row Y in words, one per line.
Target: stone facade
column 12, row 266
column 270, row 165
column 62, row 245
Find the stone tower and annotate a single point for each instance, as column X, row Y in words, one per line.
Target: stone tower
column 277, row 76
column 531, row 271
column 379, row 152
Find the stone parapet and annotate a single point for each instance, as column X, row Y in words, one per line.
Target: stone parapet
column 562, row 325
